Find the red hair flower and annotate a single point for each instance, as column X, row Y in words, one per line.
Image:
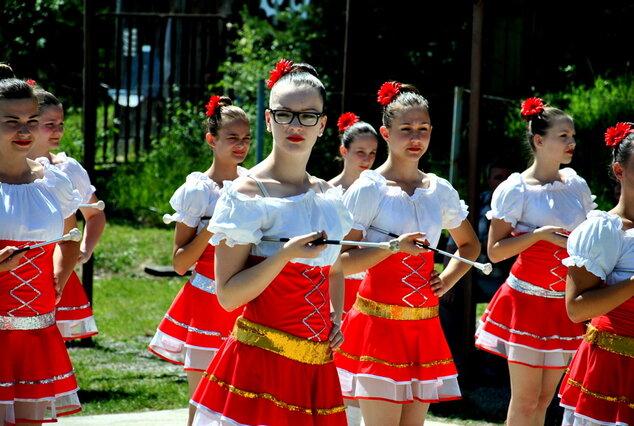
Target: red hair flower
column 283, row 67
column 346, row 120
column 31, row 82
column 212, row 105
column 614, row 135
column 388, row 92
column 532, row 106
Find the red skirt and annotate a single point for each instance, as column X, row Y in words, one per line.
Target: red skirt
column 243, row 386
column 526, row 321
column 401, row 356
column 351, row 290
column 195, row 326
column 598, row 388
column 73, row 313
column 37, row 381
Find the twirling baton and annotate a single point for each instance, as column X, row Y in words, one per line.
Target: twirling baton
column 99, row 205
column 167, row 218
column 486, row 268
column 392, row 245
column 73, row 235
column 528, row 225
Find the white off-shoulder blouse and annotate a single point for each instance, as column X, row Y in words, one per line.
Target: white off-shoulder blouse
column 564, row 204
column 602, row 246
column 36, row 211
column 373, row 202
column 241, row 219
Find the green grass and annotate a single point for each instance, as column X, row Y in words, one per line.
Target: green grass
column 118, row 374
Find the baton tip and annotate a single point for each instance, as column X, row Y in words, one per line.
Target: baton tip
column 487, row 268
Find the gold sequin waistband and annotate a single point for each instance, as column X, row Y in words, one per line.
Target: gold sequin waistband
column 394, row 312
column 36, row 322
column 621, row 345
column 284, row 344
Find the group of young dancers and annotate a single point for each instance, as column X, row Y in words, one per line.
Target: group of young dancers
column 258, row 327
column 42, row 301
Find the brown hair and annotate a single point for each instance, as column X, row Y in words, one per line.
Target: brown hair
column 303, row 74
column 408, row 96
column 538, row 124
column 224, row 112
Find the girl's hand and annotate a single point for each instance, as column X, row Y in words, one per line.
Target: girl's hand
column 335, row 337
column 84, row 256
column 301, row 247
column 8, row 260
column 548, row 233
column 408, row 243
column 438, row 286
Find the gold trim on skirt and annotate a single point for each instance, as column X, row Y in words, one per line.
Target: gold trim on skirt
column 269, row 397
column 284, row 344
column 616, row 399
column 394, row 312
column 366, row 358
column 620, row 345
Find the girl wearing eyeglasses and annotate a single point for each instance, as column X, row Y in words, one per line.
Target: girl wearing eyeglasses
column 395, row 360
column 276, row 368
column 195, row 325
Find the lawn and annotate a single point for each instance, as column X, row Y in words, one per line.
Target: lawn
column 118, row 374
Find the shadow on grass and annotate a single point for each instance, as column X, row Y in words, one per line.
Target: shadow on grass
column 88, row 396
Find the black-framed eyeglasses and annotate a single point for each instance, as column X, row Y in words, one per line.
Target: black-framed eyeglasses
column 283, row 116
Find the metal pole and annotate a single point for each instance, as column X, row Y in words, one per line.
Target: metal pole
column 259, row 129
column 455, row 133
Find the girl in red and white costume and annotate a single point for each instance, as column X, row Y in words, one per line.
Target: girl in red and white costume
column 195, row 325
column 276, row 368
column 74, row 314
column 395, row 359
column 598, row 388
column 526, row 321
column 359, row 142
column 37, row 382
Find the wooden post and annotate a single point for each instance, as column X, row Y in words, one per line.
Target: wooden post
column 474, row 128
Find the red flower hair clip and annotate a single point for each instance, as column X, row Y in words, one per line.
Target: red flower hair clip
column 614, row 135
column 212, row 105
column 31, row 82
column 532, row 106
column 388, row 92
column 283, row 67
column 346, row 120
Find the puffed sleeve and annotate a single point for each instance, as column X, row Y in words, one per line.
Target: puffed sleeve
column 238, row 218
column 596, row 244
column 58, row 183
column 363, row 199
column 191, row 200
column 508, row 200
column 77, row 175
column 582, row 190
column 454, row 210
